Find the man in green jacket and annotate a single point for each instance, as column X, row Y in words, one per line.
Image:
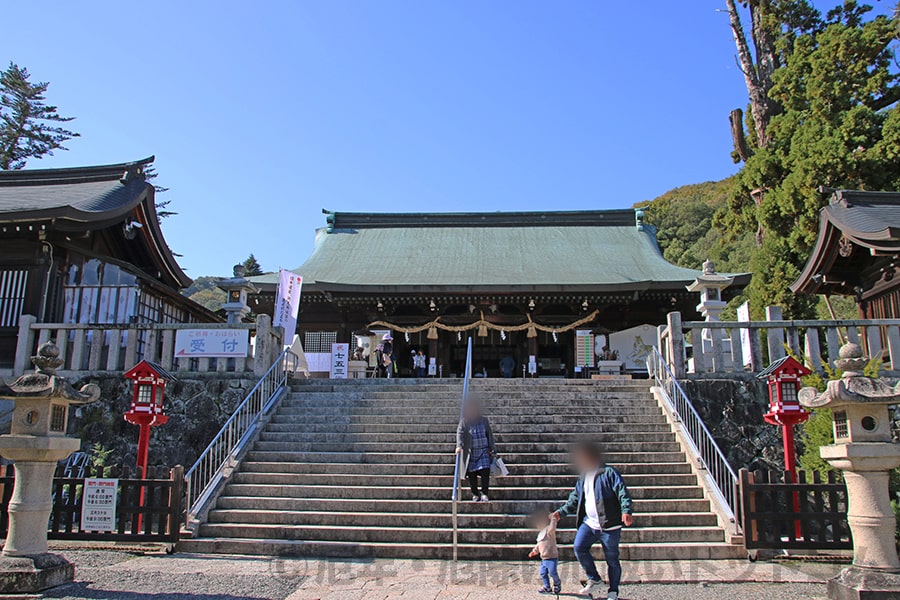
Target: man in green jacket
column 603, row 506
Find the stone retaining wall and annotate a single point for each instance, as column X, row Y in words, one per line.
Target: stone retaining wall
column 733, row 412
column 197, row 406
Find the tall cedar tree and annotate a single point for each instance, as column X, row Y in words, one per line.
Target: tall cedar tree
column 837, row 124
column 29, row 128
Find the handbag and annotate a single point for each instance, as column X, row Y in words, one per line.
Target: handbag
column 498, row 467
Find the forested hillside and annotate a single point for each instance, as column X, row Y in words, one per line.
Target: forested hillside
column 687, row 233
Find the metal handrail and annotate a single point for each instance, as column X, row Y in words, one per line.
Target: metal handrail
column 458, row 468
column 719, row 474
column 220, row 456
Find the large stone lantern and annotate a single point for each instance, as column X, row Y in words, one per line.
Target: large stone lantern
column 864, row 452
column 37, row 442
column 710, row 286
column 238, row 289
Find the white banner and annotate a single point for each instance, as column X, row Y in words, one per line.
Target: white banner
column 340, row 356
column 212, row 343
column 287, row 303
column 98, row 505
column 743, row 314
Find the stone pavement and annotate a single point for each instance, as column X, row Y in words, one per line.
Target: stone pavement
column 124, row 575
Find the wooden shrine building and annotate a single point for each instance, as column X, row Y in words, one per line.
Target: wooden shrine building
column 521, row 283
column 857, row 252
column 83, row 245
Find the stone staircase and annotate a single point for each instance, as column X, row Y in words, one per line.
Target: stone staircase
column 364, row 468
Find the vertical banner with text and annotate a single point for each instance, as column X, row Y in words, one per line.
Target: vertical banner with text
column 340, row 356
column 287, row 303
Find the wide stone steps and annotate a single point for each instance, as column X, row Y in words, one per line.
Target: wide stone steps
column 443, row 535
column 363, row 468
column 424, row 519
column 447, row 458
column 405, row 429
column 495, row 507
column 378, row 479
column 668, row 468
column 428, row 493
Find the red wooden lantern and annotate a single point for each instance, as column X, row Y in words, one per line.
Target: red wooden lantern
column 149, row 391
column 783, row 377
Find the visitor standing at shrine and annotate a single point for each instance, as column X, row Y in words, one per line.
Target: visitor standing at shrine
column 475, row 442
column 386, row 356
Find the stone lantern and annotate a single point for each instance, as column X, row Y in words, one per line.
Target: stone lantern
column 238, row 289
column 864, row 452
column 36, row 442
column 710, row 285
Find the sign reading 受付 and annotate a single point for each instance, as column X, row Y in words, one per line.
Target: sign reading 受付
column 212, row 343
column 287, row 303
column 98, row 505
column 340, row 356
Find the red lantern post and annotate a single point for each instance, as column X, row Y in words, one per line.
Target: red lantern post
column 147, row 404
column 783, row 378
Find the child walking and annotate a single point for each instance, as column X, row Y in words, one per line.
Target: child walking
column 603, row 506
column 547, row 550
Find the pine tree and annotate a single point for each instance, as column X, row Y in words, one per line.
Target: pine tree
column 29, row 128
column 252, row 267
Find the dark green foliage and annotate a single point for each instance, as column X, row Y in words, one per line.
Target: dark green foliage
column 252, row 267
column 687, row 236
column 837, row 126
column 29, row 128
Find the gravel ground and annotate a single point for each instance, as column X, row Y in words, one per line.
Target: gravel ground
column 124, row 575
column 106, row 574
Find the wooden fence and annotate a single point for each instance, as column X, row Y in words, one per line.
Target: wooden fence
column 157, row 518
column 782, row 511
column 118, row 347
column 728, row 347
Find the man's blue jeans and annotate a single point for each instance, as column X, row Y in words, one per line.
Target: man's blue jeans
column 585, row 539
column 550, row 571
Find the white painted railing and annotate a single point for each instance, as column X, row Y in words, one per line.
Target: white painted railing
column 222, row 455
column 457, row 469
column 733, row 347
column 118, row 347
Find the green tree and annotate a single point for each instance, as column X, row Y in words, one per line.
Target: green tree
column 837, row 125
column 252, row 267
column 29, row 128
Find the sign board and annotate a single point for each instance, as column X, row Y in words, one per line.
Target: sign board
column 633, row 346
column 743, row 314
column 98, row 505
column 287, row 303
column 584, row 349
column 340, row 357
column 532, row 365
column 212, row 343
column 432, row 366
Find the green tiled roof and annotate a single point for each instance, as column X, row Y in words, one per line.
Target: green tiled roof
column 566, row 251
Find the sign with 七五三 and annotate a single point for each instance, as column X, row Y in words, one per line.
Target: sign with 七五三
column 98, row 505
column 340, row 356
column 212, row 343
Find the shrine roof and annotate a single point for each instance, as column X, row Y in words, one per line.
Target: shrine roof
column 94, row 198
column 867, row 220
column 503, row 251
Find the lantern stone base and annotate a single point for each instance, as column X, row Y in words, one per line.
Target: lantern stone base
column 854, row 583
column 30, row 574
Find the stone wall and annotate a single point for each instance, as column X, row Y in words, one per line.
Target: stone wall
column 197, row 405
column 733, row 412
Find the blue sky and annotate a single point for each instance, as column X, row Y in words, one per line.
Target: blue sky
column 262, row 113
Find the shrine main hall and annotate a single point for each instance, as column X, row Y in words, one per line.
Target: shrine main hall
column 522, row 284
